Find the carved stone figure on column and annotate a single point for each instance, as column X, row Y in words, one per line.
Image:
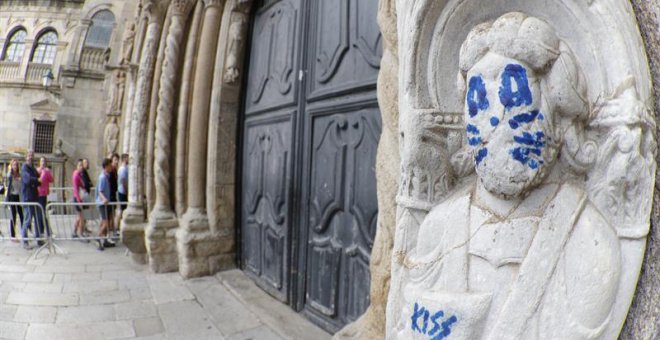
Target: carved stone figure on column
column 127, row 46
column 236, row 35
column 111, row 136
column 521, row 251
column 120, row 85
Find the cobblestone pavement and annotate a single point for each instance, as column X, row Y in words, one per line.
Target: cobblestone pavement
column 89, row 294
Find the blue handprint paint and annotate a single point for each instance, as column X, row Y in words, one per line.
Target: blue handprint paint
column 522, row 95
column 476, row 97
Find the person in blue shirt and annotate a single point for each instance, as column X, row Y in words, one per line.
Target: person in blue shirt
column 103, row 193
column 29, row 194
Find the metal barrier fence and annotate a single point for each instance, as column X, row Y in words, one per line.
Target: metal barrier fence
column 57, row 223
column 65, row 194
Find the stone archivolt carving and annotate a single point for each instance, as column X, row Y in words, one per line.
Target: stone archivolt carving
column 165, row 108
column 546, row 240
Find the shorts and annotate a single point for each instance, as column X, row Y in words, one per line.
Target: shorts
column 123, row 199
column 78, row 207
column 106, row 211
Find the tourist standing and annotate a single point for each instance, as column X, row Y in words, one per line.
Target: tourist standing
column 30, row 194
column 102, row 200
column 114, row 187
column 87, row 181
column 46, row 178
column 13, row 194
column 122, row 191
column 78, row 193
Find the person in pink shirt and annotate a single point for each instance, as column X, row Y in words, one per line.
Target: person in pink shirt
column 78, row 186
column 45, row 179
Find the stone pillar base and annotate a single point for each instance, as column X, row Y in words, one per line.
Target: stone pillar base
column 132, row 235
column 160, row 238
column 202, row 252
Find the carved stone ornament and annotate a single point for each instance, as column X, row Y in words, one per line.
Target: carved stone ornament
column 525, row 215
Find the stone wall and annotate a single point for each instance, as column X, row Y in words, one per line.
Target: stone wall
column 643, row 320
column 79, row 97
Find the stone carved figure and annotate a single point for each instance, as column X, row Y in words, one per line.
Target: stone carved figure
column 237, row 39
column 527, row 249
column 111, row 136
column 127, row 46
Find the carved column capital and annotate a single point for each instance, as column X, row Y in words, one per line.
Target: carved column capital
column 154, row 9
column 181, row 7
column 213, row 3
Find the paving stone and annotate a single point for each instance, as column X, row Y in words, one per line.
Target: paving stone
column 77, row 277
column 85, row 314
column 7, row 312
column 261, row 332
column 148, row 327
column 17, row 277
column 60, row 269
column 42, row 299
column 164, row 291
column 113, row 329
column 140, row 293
column 11, row 286
column 89, row 287
column 61, row 332
column 35, row 314
column 104, row 297
column 135, row 310
column 12, row 330
column 8, row 268
column 39, row 287
column 92, row 268
column 37, row 277
column 228, row 314
column 181, row 318
column 132, row 283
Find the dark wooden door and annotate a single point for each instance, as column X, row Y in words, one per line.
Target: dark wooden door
column 310, row 135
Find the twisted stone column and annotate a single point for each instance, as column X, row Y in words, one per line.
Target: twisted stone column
column 133, row 218
column 149, row 187
column 193, row 238
column 161, row 242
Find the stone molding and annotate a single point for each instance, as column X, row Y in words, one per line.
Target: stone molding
column 214, row 3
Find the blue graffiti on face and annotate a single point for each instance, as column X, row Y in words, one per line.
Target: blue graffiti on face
column 494, row 121
column 476, row 97
column 530, row 149
column 472, row 129
column 440, row 329
column 525, row 118
column 522, row 95
column 481, row 154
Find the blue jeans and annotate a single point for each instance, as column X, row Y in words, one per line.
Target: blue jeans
column 32, row 212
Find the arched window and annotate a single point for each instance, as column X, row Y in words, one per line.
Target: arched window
column 100, row 31
column 46, row 49
column 15, row 47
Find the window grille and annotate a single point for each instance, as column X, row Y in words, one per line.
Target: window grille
column 100, row 31
column 16, row 47
column 44, row 133
column 46, row 49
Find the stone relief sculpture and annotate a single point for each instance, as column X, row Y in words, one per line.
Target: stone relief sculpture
column 127, row 46
column 237, row 40
column 545, row 240
column 111, row 136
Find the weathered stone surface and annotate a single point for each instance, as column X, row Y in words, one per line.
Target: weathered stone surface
column 643, row 320
column 448, row 251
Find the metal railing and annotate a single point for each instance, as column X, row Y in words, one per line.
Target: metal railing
column 65, row 194
column 57, row 223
